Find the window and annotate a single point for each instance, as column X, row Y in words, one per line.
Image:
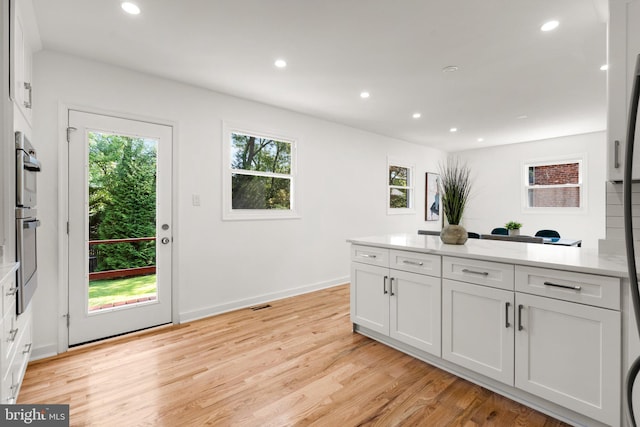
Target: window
column 400, row 192
column 259, row 180
column 554, row 185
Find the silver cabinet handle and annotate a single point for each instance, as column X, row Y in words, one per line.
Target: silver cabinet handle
column 12, row 291
column 616, row 155
column 506, row 315
column 27, row 349
column 391, row 286
column 165, row 240
column 12, row 335
column 520, row 307
column 482, row 273
column 419, row 264
column 28, row 87
column 368, row 256
column 557, row 285
column 384, row 284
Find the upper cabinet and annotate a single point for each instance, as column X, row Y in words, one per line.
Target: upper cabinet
column 24, row 39
column 623, row 49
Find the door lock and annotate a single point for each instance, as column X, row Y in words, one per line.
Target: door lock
column 165, row 240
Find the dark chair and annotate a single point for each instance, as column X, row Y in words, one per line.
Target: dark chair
column 473, row 235
column 548, row 233
column 500, row 230
column 429, row 232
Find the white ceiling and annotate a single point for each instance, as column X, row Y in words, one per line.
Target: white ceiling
column 394, row 49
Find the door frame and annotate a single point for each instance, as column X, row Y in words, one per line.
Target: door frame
column 63, row 214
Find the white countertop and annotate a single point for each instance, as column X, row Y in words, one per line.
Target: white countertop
column 583, row 260
column 7, row 269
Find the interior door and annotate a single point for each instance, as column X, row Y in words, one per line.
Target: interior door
column 120, row 230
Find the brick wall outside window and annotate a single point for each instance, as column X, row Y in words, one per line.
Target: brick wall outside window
column 555, row 185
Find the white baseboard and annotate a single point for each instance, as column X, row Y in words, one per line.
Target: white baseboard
column 244, row 303
column 43, row 352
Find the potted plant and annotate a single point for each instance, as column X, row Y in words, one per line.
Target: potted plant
column 513, row 227
column 455, row 187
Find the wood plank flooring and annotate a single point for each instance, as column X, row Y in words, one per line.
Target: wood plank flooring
column 295, row 363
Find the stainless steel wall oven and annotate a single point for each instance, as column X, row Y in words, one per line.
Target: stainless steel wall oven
column 27, row 167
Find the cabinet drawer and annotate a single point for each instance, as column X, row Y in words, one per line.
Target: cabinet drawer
column 9, row 335
column 415, row 262
column 494, row 274
column 600, row 291
column 8, row 290
column 370, row 255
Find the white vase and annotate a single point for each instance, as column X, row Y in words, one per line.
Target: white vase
column 515, row 232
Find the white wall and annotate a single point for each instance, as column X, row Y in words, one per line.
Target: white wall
column 498, row 187
column 221, row 264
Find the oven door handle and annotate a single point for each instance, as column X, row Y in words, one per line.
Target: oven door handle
column 31, row 224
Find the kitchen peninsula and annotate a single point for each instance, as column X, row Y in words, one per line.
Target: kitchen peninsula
column 543, row 325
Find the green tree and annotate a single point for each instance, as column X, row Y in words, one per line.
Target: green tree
column 123, row 196
column 263, row 155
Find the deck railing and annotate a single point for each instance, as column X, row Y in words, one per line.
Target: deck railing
column 124, row 272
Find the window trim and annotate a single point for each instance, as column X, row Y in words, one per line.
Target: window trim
column 411, row 188
column 576, row 158
column 230, row 214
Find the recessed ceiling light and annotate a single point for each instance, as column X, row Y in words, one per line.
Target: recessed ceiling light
column 604, row 67
column 280, row 63
column 522, row 117
column 417, row 115
column 453, row 130
column 548, row 26
column 130, row 8
column 480, row 139
column 450, row 69
column 364, row 95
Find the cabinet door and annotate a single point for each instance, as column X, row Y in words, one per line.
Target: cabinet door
column 477, row 329
column 569, row 354
column 370, row 297
column 623, row 48
column 21, row 64
column 415, row 310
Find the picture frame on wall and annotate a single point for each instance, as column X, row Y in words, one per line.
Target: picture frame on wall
column 432, row 197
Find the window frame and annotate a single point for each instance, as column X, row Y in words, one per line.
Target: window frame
column 581, row 185
column 230, row 214
column 411, row 187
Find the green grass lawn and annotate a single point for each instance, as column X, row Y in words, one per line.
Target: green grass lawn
column 115, row 290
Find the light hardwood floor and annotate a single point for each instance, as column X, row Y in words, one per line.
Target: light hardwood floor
column 295, row 363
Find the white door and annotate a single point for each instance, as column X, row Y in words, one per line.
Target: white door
column 119, row 225
column 415, row 310
column 477, row 328
column 569, row 354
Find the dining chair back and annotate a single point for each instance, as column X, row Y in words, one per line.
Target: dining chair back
column 500, row 230
column 548, row 233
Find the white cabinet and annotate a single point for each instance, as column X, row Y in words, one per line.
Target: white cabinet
column 22, row 59
column 15, row 339
column 569, row 354
column 623, row 48
column 401, row 304
column 477, row 329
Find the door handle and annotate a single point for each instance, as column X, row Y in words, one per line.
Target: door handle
column 165, row 240
column 520, row 307
column 506, row 314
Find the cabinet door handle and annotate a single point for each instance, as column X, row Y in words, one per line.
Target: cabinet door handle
column 419, row 264
column 12, row 335
column 391, row 287
column 384, row 284
column 368, row 256
column 506, row 315
column 482, row 273
column 27, row 348
column 12, row 291
column 557, row 285
column 616, row 155
column 28, row 87
column 520, row 307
